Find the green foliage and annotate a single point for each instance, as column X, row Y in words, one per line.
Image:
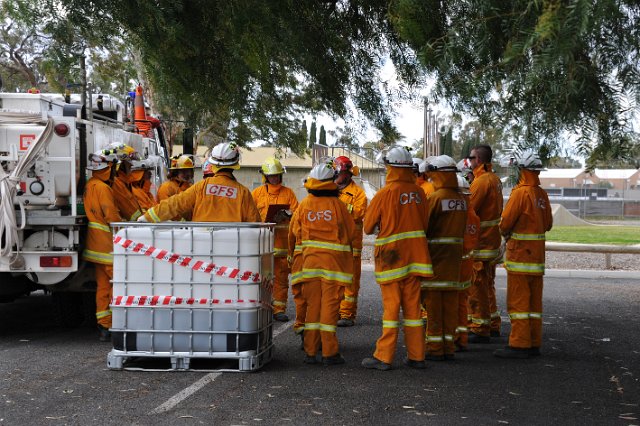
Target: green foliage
column 312, row 134
column 323, row 136
column 548, row 66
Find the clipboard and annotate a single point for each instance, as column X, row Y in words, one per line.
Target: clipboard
column 273, row 210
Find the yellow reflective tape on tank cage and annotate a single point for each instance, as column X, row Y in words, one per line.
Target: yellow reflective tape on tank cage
column 434, row 339
column 98, row 257
column 152, row 214
column 445, row 240
column 328, row 328
column 413, row 322
column 325, row 245
column 519, row 315
column 512, row 266
column 535, row 315
column 390, row 324
column 528, row 237
column 400, row 236
column 101, row 227
column 312, row 326
column 489, row 223
column 423, row 268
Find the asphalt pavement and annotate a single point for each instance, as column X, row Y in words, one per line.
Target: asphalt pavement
column 588, row 373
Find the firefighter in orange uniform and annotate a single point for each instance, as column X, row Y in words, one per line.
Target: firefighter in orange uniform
column 470, row 240
column 324, row 230
column 355, row 199
column 416, row 171
column 101, row 210
column 180, row 179
column 447, row 211
column 207, row 169
column 399, row 212
column 216, row 199
column 425, row 183
column 294, row 259
column 140, row 179
column 125, row 200
column 486, row 201
column 526, row 218
column 274, row 192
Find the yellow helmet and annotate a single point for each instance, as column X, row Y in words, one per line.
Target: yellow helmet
column 181, row 162
column 272, row 166
column 123, row 151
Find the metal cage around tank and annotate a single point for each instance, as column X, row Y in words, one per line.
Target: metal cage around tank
column 192, row 290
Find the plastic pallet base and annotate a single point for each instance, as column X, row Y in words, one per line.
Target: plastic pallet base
column 200, row 362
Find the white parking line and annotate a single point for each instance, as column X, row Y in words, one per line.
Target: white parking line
column 209, row 378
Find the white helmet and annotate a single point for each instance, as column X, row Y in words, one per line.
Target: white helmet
column 423, row 167
column 526, row 160
column 141, row 165
column 102, row 159
column 225, row 154
column 323, row 171
column 398, row 156
column 416, row 164
column 441, row 163
column 463, row 184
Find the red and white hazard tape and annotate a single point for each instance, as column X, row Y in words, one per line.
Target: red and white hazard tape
column 186, row 261
column 177, row 301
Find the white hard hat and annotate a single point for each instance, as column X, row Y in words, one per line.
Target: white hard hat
column 323, row 171
column 102, row 159
column 442, row 163
column 463, row 184
column 141, row 165
column 398, row 156
column 423, row 167
column 526, row 160
column 225, row 154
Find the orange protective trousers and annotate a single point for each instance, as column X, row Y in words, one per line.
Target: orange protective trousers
column 323, row 303
column 442, row 321
column 524, row 304
column 462, row 331
column 479, row 298
column 104, row 290
column 280, row 284
column 406, row 294
column 496, row 321
column 301, row 308
column 349, row 305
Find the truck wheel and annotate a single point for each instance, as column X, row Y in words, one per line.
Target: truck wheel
column 67, row 308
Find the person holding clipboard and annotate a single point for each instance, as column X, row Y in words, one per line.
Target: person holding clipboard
column 276, row 203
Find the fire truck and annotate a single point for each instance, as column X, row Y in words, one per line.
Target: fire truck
column 45, row 140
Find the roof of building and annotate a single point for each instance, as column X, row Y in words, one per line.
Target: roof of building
column 616, row 173
column 561, row 173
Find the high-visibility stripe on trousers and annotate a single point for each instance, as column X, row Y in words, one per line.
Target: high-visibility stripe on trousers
column 462, row 331
column 524, row 304
column 442, row 320
column 323, row 303
column 349, row 305
column 480, row 298
column 280, row 284
column 397, row 294
column 104, row 289
column 301, row 308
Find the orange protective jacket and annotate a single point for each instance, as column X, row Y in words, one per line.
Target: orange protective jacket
column 470, row 241
column 171, row 188
column 324, row 230
column 356, row 201
column 486, row 201
column 145, row 198
column 125, row 200
column 447, row 210
column 216, row 199
column 101, row 210
column 399, row 211
column 266, row 195
column 525, row 220
column 427, row 187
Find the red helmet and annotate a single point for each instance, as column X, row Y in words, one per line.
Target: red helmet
column 343, row 163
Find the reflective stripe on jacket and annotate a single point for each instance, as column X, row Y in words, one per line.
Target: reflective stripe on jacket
column 101, row 210
column 266, row 195
column 355, row 199
column 215, row 199
column 526, row 217
column 399, row 211
column 323, row 229
column 486, row 201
